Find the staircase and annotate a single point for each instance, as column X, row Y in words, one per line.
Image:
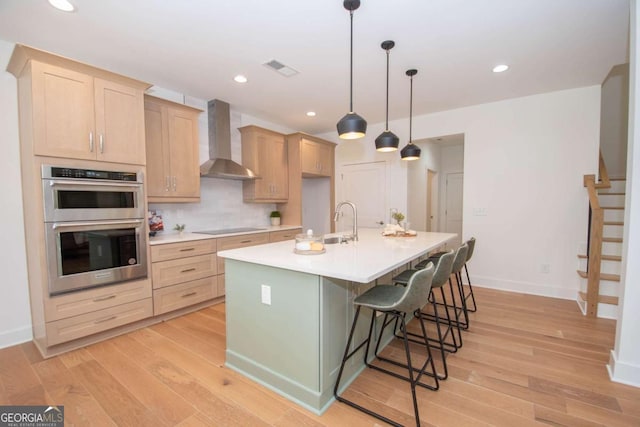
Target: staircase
column 603, row 281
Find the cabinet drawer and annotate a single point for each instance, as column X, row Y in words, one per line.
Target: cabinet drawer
column 185, row 294
column 87, row 324
column 242, row 241
column 280, row 236
column 92, row 300
column 182, row 249
column 180, row 270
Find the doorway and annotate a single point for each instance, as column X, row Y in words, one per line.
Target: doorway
column 453, row 205
column 430, row 214
column 364, row 184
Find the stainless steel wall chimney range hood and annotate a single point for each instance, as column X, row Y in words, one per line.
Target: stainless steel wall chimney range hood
column 220, row 164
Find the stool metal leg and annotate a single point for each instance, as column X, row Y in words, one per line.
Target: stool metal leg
column 414, row 380
column 470, row 294
column 451, row 324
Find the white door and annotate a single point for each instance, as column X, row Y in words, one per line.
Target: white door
column 364, row 184
column 453, row 205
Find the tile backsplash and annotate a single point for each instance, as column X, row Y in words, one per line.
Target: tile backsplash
column 220, row 206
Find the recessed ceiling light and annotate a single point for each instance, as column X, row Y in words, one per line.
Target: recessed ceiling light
column 500, row 68
column 63, row 5
column 311, row 113
column 240, row 78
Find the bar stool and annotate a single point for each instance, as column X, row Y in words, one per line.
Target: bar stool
column 458, row 310
column 433, row 257
column 397, row 302
column 440, row 277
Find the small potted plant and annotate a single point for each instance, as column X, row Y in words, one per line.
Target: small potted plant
column 179, row 228
column 275, row 217
column 398, row 216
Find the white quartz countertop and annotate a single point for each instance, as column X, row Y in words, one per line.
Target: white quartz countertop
column 364, row 261
column 174, row 236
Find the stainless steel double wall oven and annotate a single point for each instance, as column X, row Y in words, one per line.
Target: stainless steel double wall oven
column 95, row 227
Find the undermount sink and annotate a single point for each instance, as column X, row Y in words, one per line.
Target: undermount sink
column 332, row 240
column 337, row 239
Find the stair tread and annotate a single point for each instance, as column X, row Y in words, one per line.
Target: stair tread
column 605, row 193
column 604, row 299
column 603, row 276
column 612, row 239
column 604, row 257
column 613, row 223
column 619, row 208
column 617, row 179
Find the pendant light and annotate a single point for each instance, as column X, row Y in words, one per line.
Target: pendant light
column 410, row 151
column 387, row 141
column 351, row 126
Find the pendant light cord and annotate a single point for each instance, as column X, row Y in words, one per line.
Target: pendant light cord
column 351, row 67
column 387, row 115
column 410, row 109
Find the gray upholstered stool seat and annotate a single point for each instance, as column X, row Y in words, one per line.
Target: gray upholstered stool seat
column 396, row 302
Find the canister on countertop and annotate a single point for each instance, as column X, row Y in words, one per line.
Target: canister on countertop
column 309, row 243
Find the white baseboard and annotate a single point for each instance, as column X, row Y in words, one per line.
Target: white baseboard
column 524, row 287
column 623, row 373
column 15, row 336
column 605, row 311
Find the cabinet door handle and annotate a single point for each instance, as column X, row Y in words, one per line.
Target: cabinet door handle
column 187, row 249
column 175, row 183
column 101, row 143
column 91, row 142
column 246, row 241
column 188, row 270
column 106, row 319
column 190, row 294
column 167, row 183
column 108, row 297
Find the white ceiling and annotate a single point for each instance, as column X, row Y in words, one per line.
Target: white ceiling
column 195, row 47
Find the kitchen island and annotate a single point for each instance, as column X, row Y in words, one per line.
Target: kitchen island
column 288, row 315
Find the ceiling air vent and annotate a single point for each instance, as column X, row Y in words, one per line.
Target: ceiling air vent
column 280, row 68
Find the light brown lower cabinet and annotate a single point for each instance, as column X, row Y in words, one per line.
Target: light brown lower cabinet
column 183, row 274
column 178, row 296
column 83, row 325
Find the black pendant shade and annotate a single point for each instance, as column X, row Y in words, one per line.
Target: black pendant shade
column 410, row 151
column 351, row 126
column 387, row 141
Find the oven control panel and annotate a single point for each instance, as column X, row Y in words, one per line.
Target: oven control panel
column 57, row 172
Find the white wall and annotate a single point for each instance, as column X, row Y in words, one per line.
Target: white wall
column 624, row 364
column 15, row 317
column 524, row 160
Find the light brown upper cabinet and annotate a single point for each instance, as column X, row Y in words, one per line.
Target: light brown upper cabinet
column 77, row 111
column 310, row 159
column 316, row 158
column 173, row 162
column 265, row 153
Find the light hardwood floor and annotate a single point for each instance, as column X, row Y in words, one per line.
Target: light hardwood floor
column 526, row 360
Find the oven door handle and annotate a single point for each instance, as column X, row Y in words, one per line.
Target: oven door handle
column 135, row 222
column 54, row 183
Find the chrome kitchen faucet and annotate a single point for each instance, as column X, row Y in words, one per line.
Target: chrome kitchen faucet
column 354, row 234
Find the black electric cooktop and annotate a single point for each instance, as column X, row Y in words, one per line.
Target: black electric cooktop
column 231, row 230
